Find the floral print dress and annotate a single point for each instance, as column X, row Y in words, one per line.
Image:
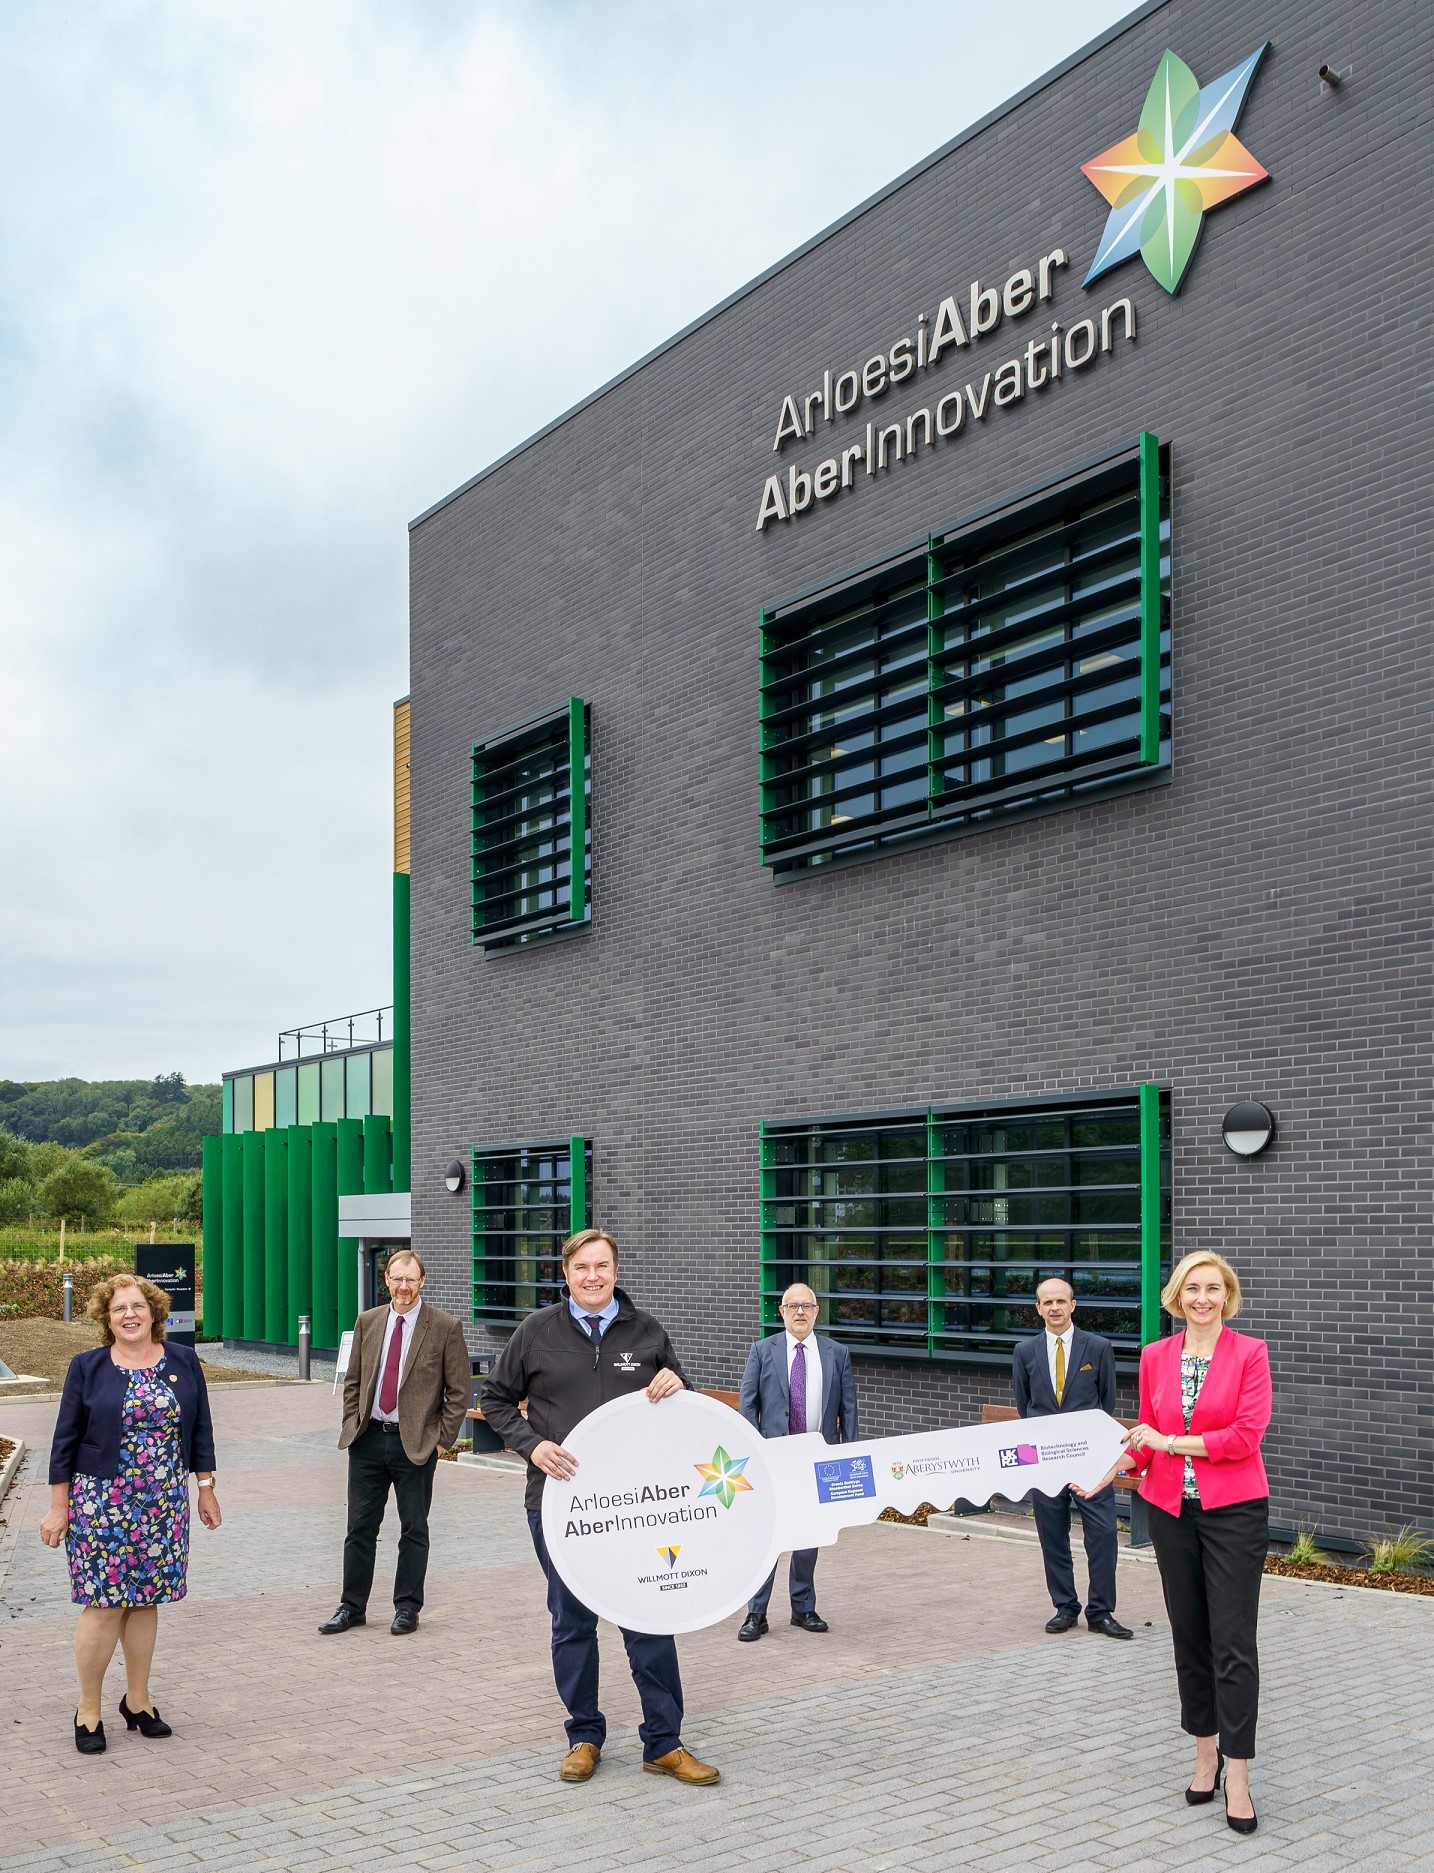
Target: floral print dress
column 129, row 1533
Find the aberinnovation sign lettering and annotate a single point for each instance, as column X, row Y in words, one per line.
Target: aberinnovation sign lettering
column 1182, row 160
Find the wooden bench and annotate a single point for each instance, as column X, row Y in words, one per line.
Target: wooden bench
column 1139, row 1522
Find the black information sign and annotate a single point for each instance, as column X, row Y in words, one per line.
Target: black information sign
column 170, row 1266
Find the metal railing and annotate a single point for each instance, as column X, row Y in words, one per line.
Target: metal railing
column 337, row 1035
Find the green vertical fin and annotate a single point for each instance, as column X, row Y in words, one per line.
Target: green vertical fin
column 1150, row 1195
column 212, row 1266
column 577, row 1185
column 577, row 809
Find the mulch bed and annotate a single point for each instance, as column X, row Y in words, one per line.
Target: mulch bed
column 6, row 1446
column 1349, row 1576
column 44, row 1348
column 919, row 1520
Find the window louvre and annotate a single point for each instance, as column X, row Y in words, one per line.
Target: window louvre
column 528, row 819
column 925, row 1235
column 1018, row 661
column 527, row 1200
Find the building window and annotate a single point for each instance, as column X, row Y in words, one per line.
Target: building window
column 309, row 1092
column 528, row 819
column 263, row 1102
column 357, row 1086
column 243, row 1086
column 925, row 1235
column 383, row 1081
column 286, row 1096
column 1018, row 661
column 527, row 1201
column 331, row 1089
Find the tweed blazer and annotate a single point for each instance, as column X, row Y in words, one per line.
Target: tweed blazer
column 434, row 1392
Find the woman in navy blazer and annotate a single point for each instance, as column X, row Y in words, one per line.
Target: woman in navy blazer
column 133, row 1422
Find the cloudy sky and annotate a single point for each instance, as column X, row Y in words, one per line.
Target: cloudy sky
column 274, row 276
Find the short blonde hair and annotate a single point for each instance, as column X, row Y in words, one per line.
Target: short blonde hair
column 1181, row 1273
column 584, row 1239
column 102, row 1299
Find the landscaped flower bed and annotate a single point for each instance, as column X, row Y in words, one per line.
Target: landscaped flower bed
column 1348, row 1576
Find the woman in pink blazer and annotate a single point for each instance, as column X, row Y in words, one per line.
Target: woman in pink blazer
column 1204, row 1407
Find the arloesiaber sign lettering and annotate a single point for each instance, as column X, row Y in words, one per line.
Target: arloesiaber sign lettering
column 958, row 325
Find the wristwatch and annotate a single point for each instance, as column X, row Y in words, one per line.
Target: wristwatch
column 1170, row 1444
column 207, row 1482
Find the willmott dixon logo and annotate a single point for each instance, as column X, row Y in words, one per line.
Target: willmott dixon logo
column 1184, row 160
column 670, row 1554
column 722, row 1477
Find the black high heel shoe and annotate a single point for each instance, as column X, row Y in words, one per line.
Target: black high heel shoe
column 148, row 1723
column 89, row 1742
column 1197, row 1796
column 1242, row 1824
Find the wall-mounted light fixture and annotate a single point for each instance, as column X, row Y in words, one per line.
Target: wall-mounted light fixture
column 1248, row 1128
column 455, row 1177
column 1331, row 79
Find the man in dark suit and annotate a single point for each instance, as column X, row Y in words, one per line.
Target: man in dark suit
column 797, row 1381
column 406, row 1391
column 1065, row 1369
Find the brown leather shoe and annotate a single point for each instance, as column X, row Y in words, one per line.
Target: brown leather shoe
column 685, row 1766
column 579, row 1763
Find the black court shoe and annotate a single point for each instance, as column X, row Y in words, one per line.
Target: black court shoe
column 147, row 1722
column 89, row 1742
column 1197, row 1796
column 1241, row 1823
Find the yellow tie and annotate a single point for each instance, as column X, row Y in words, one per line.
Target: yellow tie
column 1060, row 1370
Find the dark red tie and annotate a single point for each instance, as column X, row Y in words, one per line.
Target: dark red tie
column 388, row 1390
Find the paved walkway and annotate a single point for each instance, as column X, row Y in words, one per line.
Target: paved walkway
column 936, row 1725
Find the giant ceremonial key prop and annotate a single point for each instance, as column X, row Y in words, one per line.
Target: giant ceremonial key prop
column 679, row 1510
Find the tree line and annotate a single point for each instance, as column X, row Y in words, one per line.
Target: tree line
column 100, row 1151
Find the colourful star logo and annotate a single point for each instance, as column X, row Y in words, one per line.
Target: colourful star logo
column 722, row 1477
column 1184, row 160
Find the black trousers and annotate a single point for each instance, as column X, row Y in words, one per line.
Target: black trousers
column 801, row 1584
column 376, row 1464
column 1097, row 1521
column 651, row 1658
column 1211, row 1564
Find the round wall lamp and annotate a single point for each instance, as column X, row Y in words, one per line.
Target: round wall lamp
column 455, row 1177
column 1248, row 1128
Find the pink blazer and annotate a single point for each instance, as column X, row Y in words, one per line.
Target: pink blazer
column 1232, row 1414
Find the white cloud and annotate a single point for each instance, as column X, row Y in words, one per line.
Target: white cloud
column 274, row 277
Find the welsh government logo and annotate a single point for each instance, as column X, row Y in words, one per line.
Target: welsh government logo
column 1014, row 1456
column 1184, row 160
column 670, row 1554
column 722, row 1477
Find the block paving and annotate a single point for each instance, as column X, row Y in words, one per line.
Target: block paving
column 936, row 1724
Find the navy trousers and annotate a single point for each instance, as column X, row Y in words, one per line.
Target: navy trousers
column 801, row 1583
column 1053, row 1525
column 651, row 1657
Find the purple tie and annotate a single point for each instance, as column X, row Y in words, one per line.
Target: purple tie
column 594, row 1327
column 797, row 1393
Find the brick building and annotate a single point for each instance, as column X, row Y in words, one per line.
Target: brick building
column 979, row 670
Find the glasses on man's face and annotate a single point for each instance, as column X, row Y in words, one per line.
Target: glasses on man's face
column 799, row 1307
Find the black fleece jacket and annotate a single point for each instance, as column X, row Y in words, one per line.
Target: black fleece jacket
column 552, row 1362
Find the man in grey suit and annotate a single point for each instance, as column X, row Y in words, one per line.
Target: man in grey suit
column 1064, row 1369
column 797, row 1381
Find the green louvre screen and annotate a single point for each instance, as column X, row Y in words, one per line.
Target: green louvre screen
column 528, row 819
column 1016, row 662
column 925, row 1234
column 527, row 1200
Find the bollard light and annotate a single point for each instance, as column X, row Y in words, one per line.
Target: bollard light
column 305, row 1346
column 69, row 1295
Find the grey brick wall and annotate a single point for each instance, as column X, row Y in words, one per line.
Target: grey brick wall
column 1261, row 927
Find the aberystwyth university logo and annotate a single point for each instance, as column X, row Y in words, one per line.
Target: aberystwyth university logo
column 722, row 1477
column 1164, row 178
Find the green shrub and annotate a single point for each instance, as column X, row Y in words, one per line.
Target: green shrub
column 14, row 1157
column 17, row 1199
column 161, row 1200
column 1404, row 1552
column 79, row 1189
column 1305, row 1551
